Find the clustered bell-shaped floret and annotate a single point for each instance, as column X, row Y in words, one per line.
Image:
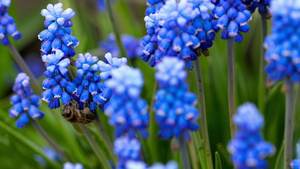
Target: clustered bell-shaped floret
column 248, row 148
column 141, row 165
column 126, row 110
column 233, row 17
column 175, row 109
column 57, row 85
column 126, row 150
column 132, row 46
column 295, row 164
column 58, row 36
column 154, row 6
column 7, row 24
column 69, row 165
column 262, row 5
column 24, row 101
column 283, row 50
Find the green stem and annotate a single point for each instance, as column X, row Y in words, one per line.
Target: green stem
column 261, row 80
column 51, row 142
column 115, row 28
column 106, row 138
column 193, row 149
column 95, row 147
column 202, row 108
column 231, row 96
column 24, row 67
column 200, row 149
column 184, row 154
column 289, row 124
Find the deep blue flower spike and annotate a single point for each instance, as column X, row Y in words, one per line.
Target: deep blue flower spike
column 262, row 5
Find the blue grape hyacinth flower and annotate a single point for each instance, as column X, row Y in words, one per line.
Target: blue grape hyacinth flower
column 126, row 150
column 87, row 81
column 141, row 165
column 233, row 17
column 175, row 109
column 24, row 102
column 58, row 36
column 69, row 165
column 132, row 46
column 57, row 85
column 126, row 110
column 295, row 164
column 154, row 6
column 283, row 52
column 262, row 5
column 7, row 24
column 248, row 148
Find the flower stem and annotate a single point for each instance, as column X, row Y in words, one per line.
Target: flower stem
column 115, row 28
column 261, row 80
column 24, row 67
column 184, row 154
column 289, row 124
column 201, row 98
column 95, row 147
column 105, row 138
column 231, row 98
column 42, row 132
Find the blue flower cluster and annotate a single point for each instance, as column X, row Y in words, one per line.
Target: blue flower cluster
column 57, row 85
column 7, row 24
column 24, row 101
column 154, row 6
column 175, row 109
column 248, row 148
column 58, row 33
column 283, row 50
column 87, row 81
column 141, row 165
column 127, row 111
column 295, row 164
column 233, row 17
column 50, row 153
column 69, row 165
column 262, row 5
column 127, row 149
column 132, row 46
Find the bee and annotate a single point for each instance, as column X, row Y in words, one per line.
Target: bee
column 72, row 114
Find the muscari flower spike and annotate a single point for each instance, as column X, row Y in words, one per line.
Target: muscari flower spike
column 87, row 81
column 69, row 165
column 104, row 93
column 154, row 6
column 57, row 85
column 58, row 36
column 248, row 148
column 204, row 23
column 175, row 109
column 24, row 102
column 283, row 51
column 233, row 17
column 132, row 46
column 126, row 150
column 262, row 5
column 170, row 33
column 7, row 24
column 141, row 165
column 126, row 110
column 295, row 164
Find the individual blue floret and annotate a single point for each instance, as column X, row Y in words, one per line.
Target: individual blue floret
column 87, row 81
column 141, row 165
column 175, row 109
column 24, row 102
column 295, row 164
column 69, row 165
column 283, row 51
column 126, row 110
column 57, row 85
column 7, row 24
column 233, row 17
column 154, row 6
column 126, row 150
column 262, row 5
column 248, row 148
column 132, row 46
column 58, row 36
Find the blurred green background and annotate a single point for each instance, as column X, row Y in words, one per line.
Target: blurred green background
column 90, row 26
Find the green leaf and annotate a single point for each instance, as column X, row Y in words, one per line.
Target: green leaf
column 218, row 164
column 280, row 158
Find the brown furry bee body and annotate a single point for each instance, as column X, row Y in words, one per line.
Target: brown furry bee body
column 72, row 114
